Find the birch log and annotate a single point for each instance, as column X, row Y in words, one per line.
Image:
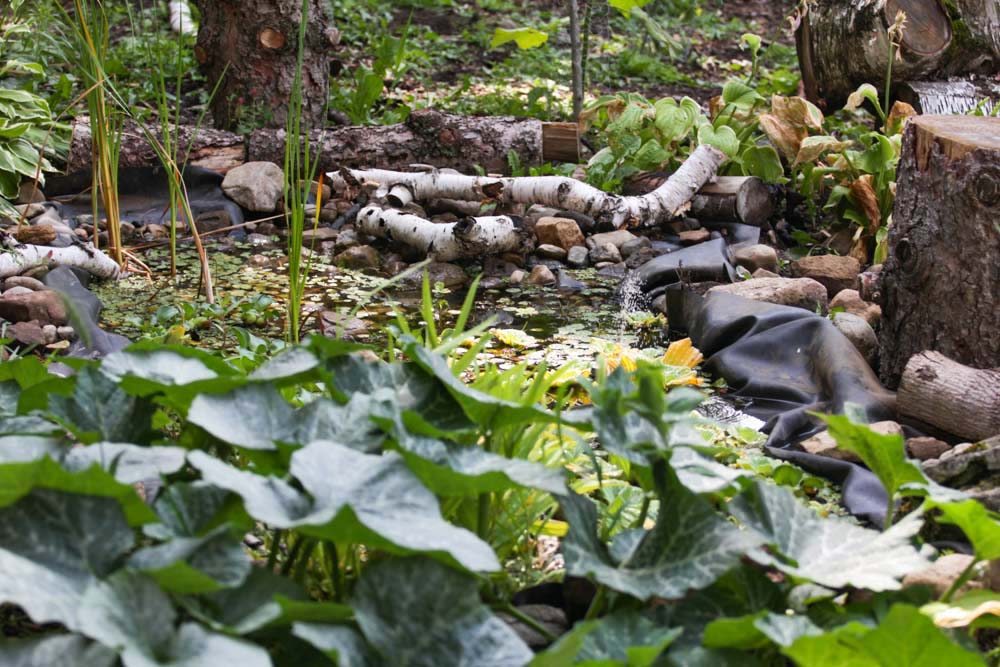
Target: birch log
column 844, row 43
column 469, row 237
column 955, row 398
column 19, row 258
column 744, row 199
column 659, row 206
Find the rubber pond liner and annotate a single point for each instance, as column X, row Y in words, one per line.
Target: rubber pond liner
column 780, row 362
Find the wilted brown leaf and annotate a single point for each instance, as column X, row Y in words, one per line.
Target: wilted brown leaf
column 864, row 194
column 786, row 138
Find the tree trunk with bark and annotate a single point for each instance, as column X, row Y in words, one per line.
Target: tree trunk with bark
column 940, row 286
column 947, row 395
column 845, row 43
column 252, row 45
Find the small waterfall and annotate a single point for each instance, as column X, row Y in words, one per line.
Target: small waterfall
column 631, row 299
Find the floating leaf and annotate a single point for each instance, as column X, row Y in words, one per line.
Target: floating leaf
column 682, row 353
column 514, row 338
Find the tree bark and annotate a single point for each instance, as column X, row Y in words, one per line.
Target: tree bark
column 744, row 199
column 844, row 43
column 947, row 395
column 428, row 137
column 950, row 97
column 940, row 285
column 252, row 45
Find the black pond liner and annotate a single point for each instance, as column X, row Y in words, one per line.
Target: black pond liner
column 781, row 363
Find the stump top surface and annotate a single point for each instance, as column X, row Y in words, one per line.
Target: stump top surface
column 927, row 31
column 960, row 134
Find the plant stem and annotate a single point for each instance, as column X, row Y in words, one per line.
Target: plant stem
column 272, row 558
column 888, row 85
column 597, row 604
column 643, row 512
column 532, row 623
column 299, row 573
column 961, row 581
column 293, row 555
column 333, row 565
column 483, row 515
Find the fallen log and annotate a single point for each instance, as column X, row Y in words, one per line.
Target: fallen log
column 427, row 137
column 17, row 258
column 950, row 97
column 469, row 237
column 940, row 284
column 744, row 199
column 661, row 205
column 845, row 43
column 955, row 398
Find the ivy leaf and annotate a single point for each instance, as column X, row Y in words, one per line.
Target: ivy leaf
column 831, row 552
column 525, row 38
column 340, row 643
column 53, row 547
column 419, row 613
column 56, row 651
column 689, row 548
column 100, row 410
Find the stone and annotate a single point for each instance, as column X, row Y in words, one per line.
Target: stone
column 548, row 251
column 617, row 238
column 65, row 333
column 833, row 272
column 551, row 618
column 359, row 257
column 156, row 231
column 27, row 333
column 562, row 232
column 50, row 334
column 23, row 281
column 256, row 186
column 870, row 284
column 348, row 238
column 694, row 236
column 514, row 258
column 578, row 257
column 942, row 573
column 565, row 281
column 45, row 306
column 541, row 275
column 797, row 292
column 640, row 257
column 29, row 211
column 756, row 257
column 17, row 289
column 267, row 228
column 851, row 302
column 258, row 240
column 606, row 252
column 926, row 448
column 633, row 246
column 35, row 234
column 612, row 270
column 497, row 266
column 395, row 267
column 517, row 277
column 450, row 275
column 860, row 333
column 966, row 464
column 319, row 234
column 29, row 193
column 335, row 324
column 823, row 444
column 764, row 273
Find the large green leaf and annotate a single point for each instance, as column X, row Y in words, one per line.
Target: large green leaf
column 56, row 651
column 128, row 463
column 195, row 564
column 626, row 638
column 340, row 643
column 828, row 551
column 100, row 410
column 419, row 613
column 253, row 416
column 53, row 547
column 689, row 548
column 181, row 373
column 980, row 525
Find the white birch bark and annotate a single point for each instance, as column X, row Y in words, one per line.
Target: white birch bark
column 469, row 237
column 19, row 258
column 659, row 206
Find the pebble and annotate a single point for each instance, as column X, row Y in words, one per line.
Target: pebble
column 23, row 281
column 541, row 275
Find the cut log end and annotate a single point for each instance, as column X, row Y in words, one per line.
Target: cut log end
column 956, row 136
column 947, row 395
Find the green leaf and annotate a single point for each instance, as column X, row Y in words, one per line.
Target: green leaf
column 626, row 638
column 195, row 564
column 626, row 6
column 980, row 525
column 564, row 651
column 53, row 547
column 56, row 651
column 724, row 139
column 689, row 548
column 100, row 410
column 128, row 463
column 764, row 163
column 738, row 93
column 419, row 613
column 525, row 38
column 340, row 643
column 253, row 417
column 831, row 552
column 180, row 372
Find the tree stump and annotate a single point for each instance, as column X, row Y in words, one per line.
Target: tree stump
column 252, row 45
column 955, row 398
column 940, row 286
column 845, row 43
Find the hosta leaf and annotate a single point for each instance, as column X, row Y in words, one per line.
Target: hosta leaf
column 764, row 163
column 723, row 138
column 56, row 651
column 651, row 156
column 797, row 112
column 100, row 410
column 977, row 608
column 128, row 463
column 831, row 552
column 419, row 613
column 187, row 510
column 689, row 548
column 53, row 546
column 811, row 148
column 340, row 643
column 195, row 564
column 864, row 92
column 525, row 38
column 739, row 94
column 786, row 138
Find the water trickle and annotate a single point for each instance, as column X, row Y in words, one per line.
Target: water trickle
column 631, row 299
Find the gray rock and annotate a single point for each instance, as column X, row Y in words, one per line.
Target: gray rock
column 497, row 266
column 640, row 257
column 617, row 238
column 30, row 193
column 860, row 333
column 833, row 272
column 823, row 444
column 549, row 251
column 694, row 236
column 358, row 257
column 613, row 270
column 30, row 211
column 517, row 277
column 941, row 574
column 27, row 333
column 870, row 284
column 633, row 246
column 566, row 281
column 850, row 300
column 258, row 240
column 23, row 281
column 541, row 275
column 764, row 273
column 65, row 333
column 924, row 449
column 348, row 238
column 450, row 275
column 605, row 252
column 319, row 234
column 965, row 464
column 50, row 334
column 17, row 289
column 577, row 257
column 256, row 186
column 755, row 257
column 335, row 324
column 798, row 292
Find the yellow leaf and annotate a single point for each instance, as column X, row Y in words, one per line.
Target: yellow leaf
column 899, row 116
column 682, row 353
column 514, row 338
column 797, row 112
